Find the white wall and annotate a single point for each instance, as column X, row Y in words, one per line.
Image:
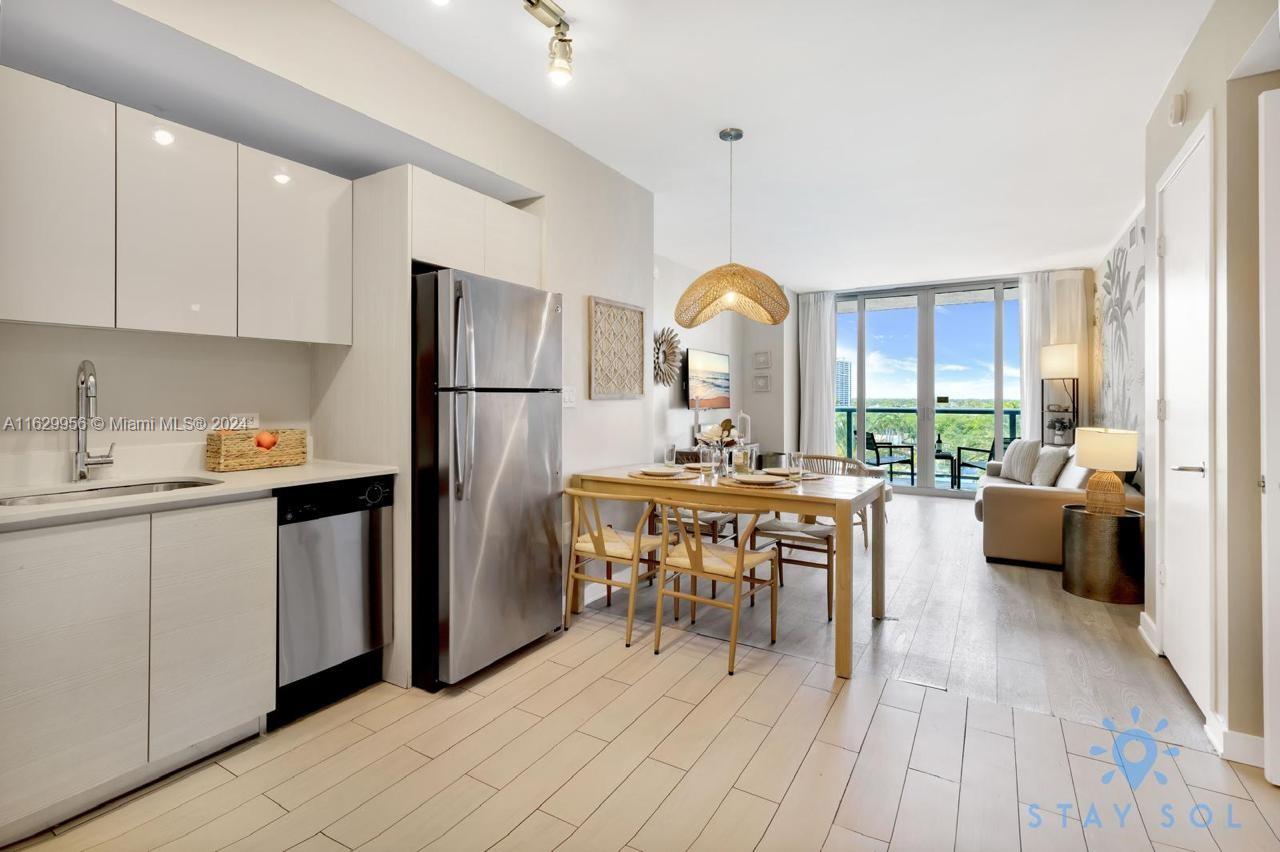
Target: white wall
column 672, row 418
column 142, row 374
column 774, row 415
column 597, row 224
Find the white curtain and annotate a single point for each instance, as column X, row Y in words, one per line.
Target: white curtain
column 817, row 339
column 1033, row 296
column 1054, row 310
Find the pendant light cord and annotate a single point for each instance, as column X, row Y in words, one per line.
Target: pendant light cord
column 731, row 201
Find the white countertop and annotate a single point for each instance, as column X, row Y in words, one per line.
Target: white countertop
column 236, row 484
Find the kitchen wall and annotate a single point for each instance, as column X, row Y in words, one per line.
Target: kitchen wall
column 1227, row 32
column 1119, row 331
column 140, row 375
column 672, row 418
column 597, row 224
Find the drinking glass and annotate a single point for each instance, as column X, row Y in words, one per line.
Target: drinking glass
column 795, row 469
column 717, row 462
column 704, row 457
column 670, row 455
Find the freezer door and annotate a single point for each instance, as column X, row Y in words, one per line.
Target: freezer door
column 501, row 547
column 491, row 334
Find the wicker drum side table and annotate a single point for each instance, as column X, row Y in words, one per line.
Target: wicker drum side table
column 1102, row 556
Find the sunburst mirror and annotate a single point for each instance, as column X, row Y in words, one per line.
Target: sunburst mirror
column 666, row 357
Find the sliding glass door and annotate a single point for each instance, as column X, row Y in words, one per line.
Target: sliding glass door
column 927, row 380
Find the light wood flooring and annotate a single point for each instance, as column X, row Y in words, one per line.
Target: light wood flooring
column 579, row 743
column 1000, row 633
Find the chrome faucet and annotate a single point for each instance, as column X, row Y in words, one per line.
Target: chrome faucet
column 87, row 409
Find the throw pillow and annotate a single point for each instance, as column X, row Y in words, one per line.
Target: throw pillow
column 1073, row 476
column 1048, row 465
column 1020, row 459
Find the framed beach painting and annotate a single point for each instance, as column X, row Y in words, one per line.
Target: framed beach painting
column 707, row 379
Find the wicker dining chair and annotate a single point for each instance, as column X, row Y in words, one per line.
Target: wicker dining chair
column 809, row 534
column 686, row 553
column 594, row 540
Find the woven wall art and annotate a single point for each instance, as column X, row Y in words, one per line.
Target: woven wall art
column 616, row 332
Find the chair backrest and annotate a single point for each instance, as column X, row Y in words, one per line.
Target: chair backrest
column 586, row 517
column 873, row 446
column 838, row 465
column 683, row 517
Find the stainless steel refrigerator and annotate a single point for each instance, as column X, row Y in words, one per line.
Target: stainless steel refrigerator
column 487, row 484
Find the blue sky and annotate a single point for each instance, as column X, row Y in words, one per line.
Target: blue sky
column 963, row 350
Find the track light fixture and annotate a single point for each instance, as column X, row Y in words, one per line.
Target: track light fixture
column 560, row 50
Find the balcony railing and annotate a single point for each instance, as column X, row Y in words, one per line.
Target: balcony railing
column 846, row 434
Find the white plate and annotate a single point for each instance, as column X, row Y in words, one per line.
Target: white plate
column 784, row 472
column 659, row 470
column 698, row 466
column 757, row 478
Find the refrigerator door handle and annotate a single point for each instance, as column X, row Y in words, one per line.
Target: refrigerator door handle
column 469, row 473
column 464, row 335
column 461, row 463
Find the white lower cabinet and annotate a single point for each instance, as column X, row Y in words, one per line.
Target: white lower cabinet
column 213, row 621
column 73, row 660
column 124, row 642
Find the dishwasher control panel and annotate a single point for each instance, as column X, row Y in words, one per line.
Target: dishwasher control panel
column 308, row 502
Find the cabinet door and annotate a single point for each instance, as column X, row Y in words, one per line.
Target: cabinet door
column 512, row 244
column 175, row 227
column 295, row 251
column 213, row 621
column 73, row 660
column 57, row 203
column 448, row 223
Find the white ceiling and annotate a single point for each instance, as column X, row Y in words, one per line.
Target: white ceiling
column 886, row 142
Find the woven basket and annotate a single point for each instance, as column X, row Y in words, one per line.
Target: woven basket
column 236, row 449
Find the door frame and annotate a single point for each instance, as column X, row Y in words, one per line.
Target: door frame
column 1201, row 136
column 1269, row 384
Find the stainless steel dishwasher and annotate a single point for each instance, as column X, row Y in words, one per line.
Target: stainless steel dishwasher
column 334, row 593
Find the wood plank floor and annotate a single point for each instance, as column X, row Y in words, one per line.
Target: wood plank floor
column 1000, row 633
column 580, row 743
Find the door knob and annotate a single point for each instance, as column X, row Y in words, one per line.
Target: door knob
column 1188, row 468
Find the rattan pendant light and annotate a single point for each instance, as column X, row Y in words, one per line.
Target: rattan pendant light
column 732, row 287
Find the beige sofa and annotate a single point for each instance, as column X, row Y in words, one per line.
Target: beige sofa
column 1023, row 523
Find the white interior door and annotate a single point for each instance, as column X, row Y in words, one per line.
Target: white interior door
column 1185, row 524
column 1269, row 280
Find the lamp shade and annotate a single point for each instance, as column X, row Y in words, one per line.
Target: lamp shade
column 733, row 287
column 1060, row 361
column 1107, row 449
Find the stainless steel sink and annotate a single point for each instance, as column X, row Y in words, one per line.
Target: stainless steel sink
column 96, row 492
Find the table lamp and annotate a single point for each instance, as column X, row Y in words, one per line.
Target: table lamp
column 1106, row 451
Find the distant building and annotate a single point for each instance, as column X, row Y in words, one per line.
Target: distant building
column 844, row 384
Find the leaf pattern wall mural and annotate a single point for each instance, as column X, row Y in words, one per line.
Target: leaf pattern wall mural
column 1119, row 331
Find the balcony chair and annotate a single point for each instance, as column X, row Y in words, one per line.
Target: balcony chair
column 888, row 459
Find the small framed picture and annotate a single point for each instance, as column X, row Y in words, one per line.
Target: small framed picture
column 762, row 360
column 761, row 383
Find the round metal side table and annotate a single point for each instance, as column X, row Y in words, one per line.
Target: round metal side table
column 1102, row 557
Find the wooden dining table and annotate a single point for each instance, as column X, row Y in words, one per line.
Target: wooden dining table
column 832, row 496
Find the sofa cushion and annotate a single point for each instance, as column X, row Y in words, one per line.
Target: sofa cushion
column 1020, row 460
column 1073, row 475
column 1048, row 465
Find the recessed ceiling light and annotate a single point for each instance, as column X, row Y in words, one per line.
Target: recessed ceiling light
column 162, row 137
column 281, row 178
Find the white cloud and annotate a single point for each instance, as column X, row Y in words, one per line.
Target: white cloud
column 955, row 368
column 882, row 364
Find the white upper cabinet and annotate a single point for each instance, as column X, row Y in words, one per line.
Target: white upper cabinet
column 57, row 203
column 295, row 251
column 512, row 244
column 448, row 223
column 176, row 227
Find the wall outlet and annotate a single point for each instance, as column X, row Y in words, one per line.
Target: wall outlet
column 569, row 396
column 250, row 420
